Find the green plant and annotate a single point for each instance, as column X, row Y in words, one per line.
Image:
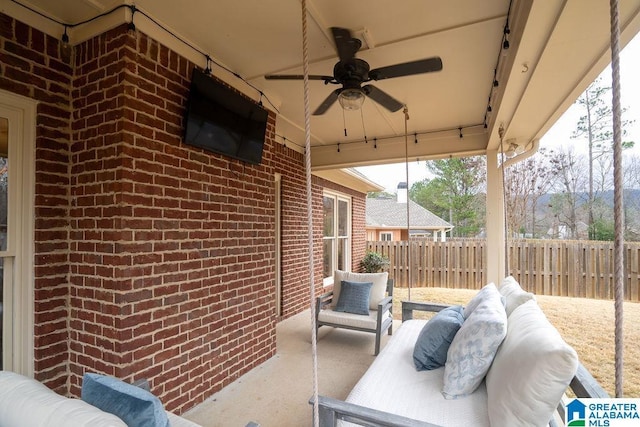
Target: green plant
column 373, row 262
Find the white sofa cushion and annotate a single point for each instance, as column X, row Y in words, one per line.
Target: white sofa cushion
column 474, row 346
column 378, row 288
column 392, row 384
column 514, row 294
column 27, row 402
column 530, row 372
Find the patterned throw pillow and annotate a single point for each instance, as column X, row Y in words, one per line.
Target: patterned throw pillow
column 354, row 297
column 475, row 345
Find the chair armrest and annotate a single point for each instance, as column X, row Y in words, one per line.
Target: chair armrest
column 325, row 299
column 409, row 306
column 386, row 304
column 322, row 301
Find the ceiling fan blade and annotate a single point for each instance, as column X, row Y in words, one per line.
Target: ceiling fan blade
column 382, row 98
column 407, row 69
column 346, row 45
column 328, row 102
column 296, row 77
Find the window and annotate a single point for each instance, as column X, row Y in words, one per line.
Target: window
column 17, row 164
column 386, row 236
column 336, row 232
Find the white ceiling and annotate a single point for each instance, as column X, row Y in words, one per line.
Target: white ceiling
column 556, row 48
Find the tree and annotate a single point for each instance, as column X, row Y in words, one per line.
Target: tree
column 595, row 125
column 569, row 185
column 525, row 183
column 455, row 193
column 379, row 194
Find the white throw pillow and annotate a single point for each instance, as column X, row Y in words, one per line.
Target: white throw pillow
column 378, row 289
column 474, row 346
column 514, row 294
column 530, row 372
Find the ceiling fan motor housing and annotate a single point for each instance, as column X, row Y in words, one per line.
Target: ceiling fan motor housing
column 351, row 73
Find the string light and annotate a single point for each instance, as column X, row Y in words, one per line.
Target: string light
column 504, row 46
column 207, row 70
column 459, row 132
column 66, row 50
column 131, row 26
column 338, row 147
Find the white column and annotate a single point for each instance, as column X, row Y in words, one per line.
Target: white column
column 496, row 256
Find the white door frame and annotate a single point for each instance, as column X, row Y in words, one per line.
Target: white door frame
column 18, row 305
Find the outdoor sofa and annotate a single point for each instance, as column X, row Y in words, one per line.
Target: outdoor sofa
column 27, row 402
column 506, row 365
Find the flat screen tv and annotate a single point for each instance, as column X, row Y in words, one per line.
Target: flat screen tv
column 221, row 120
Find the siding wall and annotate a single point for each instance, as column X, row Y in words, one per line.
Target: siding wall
column 153, row 259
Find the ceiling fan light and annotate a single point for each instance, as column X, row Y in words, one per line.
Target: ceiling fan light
column 351, row 99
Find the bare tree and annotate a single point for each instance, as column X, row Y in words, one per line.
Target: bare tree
column 525, row 183
column 570, row 187
column 595, row 125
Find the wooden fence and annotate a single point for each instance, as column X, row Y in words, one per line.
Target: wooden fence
column 545, row 267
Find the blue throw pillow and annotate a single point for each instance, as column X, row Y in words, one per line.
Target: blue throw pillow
column 133, row 405
column 430, row 351
column 354, row 297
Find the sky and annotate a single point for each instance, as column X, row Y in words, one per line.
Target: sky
column 388, row 176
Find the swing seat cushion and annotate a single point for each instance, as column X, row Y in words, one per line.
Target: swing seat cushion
column 531, row 370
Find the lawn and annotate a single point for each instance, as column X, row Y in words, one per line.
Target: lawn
column 586, row 324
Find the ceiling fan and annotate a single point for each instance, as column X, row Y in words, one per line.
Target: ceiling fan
column 351, row 72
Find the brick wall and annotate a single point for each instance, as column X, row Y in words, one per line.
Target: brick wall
column 153, row 259
column 172, row 248
column 30, row 66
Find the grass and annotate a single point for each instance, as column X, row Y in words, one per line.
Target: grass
column 585, row 324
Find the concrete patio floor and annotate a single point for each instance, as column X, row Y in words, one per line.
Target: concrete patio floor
column 276, row 394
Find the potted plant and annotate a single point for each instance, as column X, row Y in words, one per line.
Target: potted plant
column 373, row 262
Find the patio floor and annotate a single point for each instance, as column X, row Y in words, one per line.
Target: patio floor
column 276, row 394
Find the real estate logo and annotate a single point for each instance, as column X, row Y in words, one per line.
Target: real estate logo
column 603, row 413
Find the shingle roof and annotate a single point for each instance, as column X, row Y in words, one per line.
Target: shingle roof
column 385, row 212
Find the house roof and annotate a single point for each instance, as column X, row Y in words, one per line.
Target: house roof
column 388, row 213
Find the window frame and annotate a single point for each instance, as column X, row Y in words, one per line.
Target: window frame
column 347, row 238
column 382, row 234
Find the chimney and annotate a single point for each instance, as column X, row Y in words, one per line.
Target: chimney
column 402, row 194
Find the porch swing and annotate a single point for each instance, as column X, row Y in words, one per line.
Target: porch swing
column 363, row 409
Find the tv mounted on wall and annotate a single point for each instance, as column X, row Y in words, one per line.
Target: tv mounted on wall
column 223, row 121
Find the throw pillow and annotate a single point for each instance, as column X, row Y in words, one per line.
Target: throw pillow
column 133, row 405
column 514, row 294
column 354, row 297
column 483, row 294
column 474, row 346
column 378, row 289
column 430, row 351
column 531, row 370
